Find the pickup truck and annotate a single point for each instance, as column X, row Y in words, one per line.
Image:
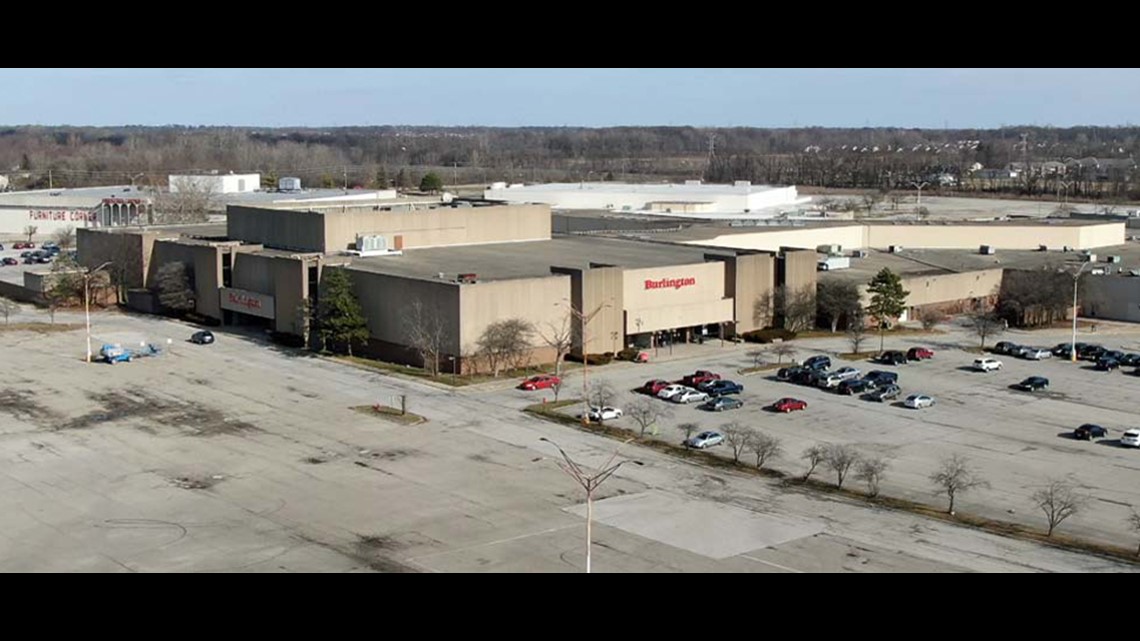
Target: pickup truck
column 700, row 376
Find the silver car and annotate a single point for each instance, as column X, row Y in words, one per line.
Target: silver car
column 1037, row 353
column 705, row 439
column 690, row 396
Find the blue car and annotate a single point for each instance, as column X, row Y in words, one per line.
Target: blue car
column 720, row 388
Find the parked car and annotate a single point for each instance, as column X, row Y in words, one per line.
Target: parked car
column 690, row 395
column 722, row 403
column 670, row 391
column 1038, row 353
column 1034, row 383
column 809, row 377
column 204, row 337
column 1088, row 431
column 1091, row 352
column 987, row 364
column 818, row 363
column 31, row 260
column 1106, row 364
column 705, row 439
column 789, row 404
column 919, row 354
column 27, row 254
column 918, row 401
column 542, row 381
column 1114, row 354
column 1004, row 347
column 700, row 376
column 1130, row 359
column 24, row 246
column 1130, row 438
column 8, row 260
column 49, row 245
column 1, row 247
column 892, row 357
column 788, row 373
column 885, row 393
column 830, row 380
column 857, row 386
column 601, row 414
column 879, row 377
column 654, row 386
column 720, row 388
column 1065, row 349
column 43, row 260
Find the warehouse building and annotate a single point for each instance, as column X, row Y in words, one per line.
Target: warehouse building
column 50, row 210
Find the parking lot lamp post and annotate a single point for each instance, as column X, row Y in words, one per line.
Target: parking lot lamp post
column 590, row 483
column 585, row 319
column 1076, row 281
column 87, row 302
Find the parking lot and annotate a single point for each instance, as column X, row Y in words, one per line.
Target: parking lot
column 1016, row 439
column 15, row 273
column 239, row 456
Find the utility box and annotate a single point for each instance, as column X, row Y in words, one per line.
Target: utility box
column 987, row 250
column 859, row 253
column 830, row 250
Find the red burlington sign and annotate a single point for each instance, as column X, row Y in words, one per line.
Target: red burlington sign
column 670, row 283
column 242, row 300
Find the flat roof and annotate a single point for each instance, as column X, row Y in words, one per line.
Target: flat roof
column 531, row 259
column 701, row 190
column 77, row 197
column 198, row 230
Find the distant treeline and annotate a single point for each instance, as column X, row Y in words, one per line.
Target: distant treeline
column 869, row 158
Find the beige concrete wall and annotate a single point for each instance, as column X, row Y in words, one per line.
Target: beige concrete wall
column 278, row 228
column 939, row 289
column 439, row 227
column 799, row 269
column 602, row 291
column 386, row 298
column 539, row 301
column 754, row 278
column 131, row 252
column 205, row 261
column 850, row 237
column 701, row 303
column 999, row 236
column 284, row 278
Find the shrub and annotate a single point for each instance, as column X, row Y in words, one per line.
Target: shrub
column 768, row 335
column 593, row 359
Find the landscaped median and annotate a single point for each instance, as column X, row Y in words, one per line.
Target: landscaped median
column 391, row 414
column 550, row 412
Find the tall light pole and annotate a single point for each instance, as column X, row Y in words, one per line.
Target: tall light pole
column 584, row 319
column 919, row 187
column 590, row 483
column 87, row 301
column 1076, row 282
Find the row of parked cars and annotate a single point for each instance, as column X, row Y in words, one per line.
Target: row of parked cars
column 876, row 385
column 1104, row 358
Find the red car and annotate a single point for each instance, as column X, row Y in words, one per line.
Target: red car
column 919, row 353
column 654, row 386
column 543, row 381
column 700, row 376
column 788, row 404
column 24, row 246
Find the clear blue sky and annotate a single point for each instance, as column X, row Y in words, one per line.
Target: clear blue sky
column 929, row 98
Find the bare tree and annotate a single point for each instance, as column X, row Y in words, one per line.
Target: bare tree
column 1134, row 525
column 736, row 435
column 856, row 329
column 7, row 308
column 836, row 299
column 65, row 238
column 600, row 394
column 558, row 336
column 688, row 429
column 1058, row 500
column 757, row 356
column 505, row 342
column 954, row 477
column 985, row 323
column 764, row 446
column 646, row 412
column 783, row 349
column 175, row 287
column 930, row 318
column 814, row 455
column 798, row 307
column 30, row 231
column 190, row 202
column 840, row 458
column 556, row 387
column 871, row 471
column 426, row 334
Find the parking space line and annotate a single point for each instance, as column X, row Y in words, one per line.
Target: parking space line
column 775, row 565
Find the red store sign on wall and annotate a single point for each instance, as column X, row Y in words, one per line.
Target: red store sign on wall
column 247, row 302
column 670, row 283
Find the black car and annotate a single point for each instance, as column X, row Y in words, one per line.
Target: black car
column 885, row 393
column 1034, row 383
column 808, row 377
column 852, row 387
column 818, row 363
column 1130, row 359
column 203, row 337
column 1004, row 347
column 880, row 378
column 8, row 260
column 1090, row 352
column 788, row 373
column 1088, row 431
column 892, row 357
column 1114, row 354
column 1106, row 364
column 720, row 388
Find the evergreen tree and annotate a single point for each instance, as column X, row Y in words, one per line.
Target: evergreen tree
column 382, row 181
column 431, row 182
column 888, row 299
column 340, row 318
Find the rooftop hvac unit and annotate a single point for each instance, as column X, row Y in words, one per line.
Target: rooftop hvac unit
column 289, row 184
column 468, row 278
column 987, row 250
column 859, row 253
column 896, row 249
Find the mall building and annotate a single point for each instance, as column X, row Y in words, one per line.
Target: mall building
column 463, row 267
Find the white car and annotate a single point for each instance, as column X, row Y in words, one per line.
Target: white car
column 987, row 364
column 705, row 439
column 671, row 391
column 918, row 401
column 690, row 395
column 1037, row 353
column 599, row 414
column 1131, row 438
